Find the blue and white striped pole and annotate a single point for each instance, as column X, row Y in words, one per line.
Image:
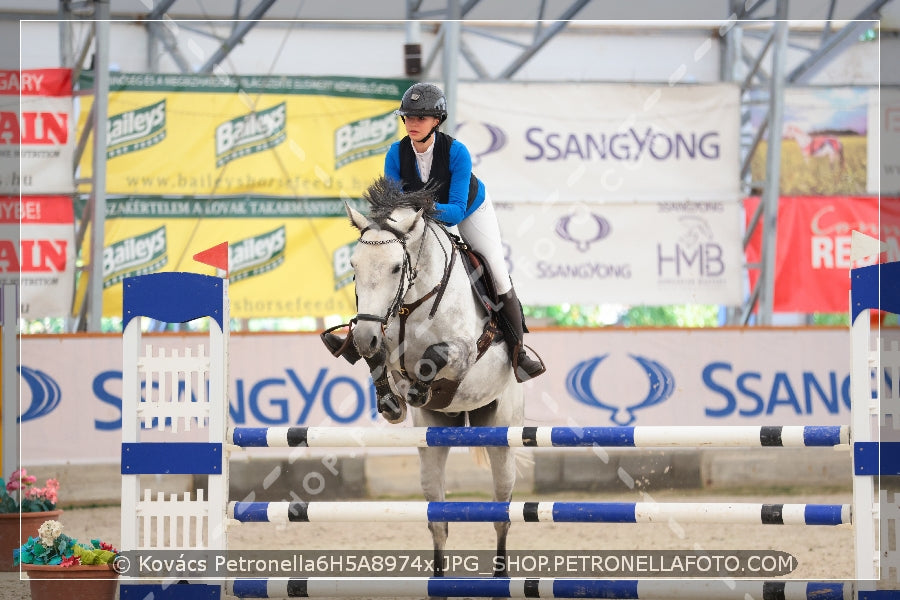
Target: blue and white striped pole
column 541, row 512
column 542, row 437
column 503, row 587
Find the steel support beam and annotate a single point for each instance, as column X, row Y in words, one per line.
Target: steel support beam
column 98, row 189
column 161, row 8
column 542, row 39
column 236, row 36
column 451, row 29
column 9, row 312
column 835, row 43
column 162, row 32
column 773, row 166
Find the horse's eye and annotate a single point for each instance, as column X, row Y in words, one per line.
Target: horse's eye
column 396, row 269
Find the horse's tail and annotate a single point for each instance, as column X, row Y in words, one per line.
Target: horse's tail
column 523, row 459
column 480, row 456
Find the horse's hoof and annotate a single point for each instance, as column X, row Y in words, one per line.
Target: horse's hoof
column 392, row 408
column 418, row 396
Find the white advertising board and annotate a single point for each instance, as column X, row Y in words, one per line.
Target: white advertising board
column 651, row 253
column 72, row 385
column 599, row 142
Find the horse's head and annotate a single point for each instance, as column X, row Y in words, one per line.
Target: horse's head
column 382, row 260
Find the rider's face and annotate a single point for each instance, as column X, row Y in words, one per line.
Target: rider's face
column 419, row 127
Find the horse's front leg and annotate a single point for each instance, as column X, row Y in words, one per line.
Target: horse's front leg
column 432, row 463
column 435, row 358
column 389, row 405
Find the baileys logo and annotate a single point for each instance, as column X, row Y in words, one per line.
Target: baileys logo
column 340, row 263
column 256, row 255
column 136, row 129
column 359, row 139
column 250, row 133
column 139, row 255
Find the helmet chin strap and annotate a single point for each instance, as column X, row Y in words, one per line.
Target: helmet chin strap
column 430, row 133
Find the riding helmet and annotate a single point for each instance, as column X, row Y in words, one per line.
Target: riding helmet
column 423, row 100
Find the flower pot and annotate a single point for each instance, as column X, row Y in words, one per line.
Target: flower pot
column 85, row 582
column 10, row 536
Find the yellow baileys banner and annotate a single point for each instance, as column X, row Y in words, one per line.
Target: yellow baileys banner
column 220, row 135
column 288, row 258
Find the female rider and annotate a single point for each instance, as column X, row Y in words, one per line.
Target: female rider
column 430, row 157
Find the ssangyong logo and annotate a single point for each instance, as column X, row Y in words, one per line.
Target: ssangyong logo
column 136, row 129
column 482, row 139
column 45, row 394
column 582, row 230
column 257, row 255
column 579, row 384
column 139, row 255
column 366, row 137
column 250, row 133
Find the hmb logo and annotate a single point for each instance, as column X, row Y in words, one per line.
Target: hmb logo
column 695, row 252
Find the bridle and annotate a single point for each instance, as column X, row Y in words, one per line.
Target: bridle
column 408, row 273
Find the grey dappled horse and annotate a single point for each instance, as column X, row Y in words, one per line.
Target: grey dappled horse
column 418, row 316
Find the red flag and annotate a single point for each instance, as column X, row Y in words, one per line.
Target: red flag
column 217, row 256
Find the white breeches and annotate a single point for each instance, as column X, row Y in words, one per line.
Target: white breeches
column 481, row 232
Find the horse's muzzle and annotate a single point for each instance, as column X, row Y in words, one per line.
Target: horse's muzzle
column 367, row 339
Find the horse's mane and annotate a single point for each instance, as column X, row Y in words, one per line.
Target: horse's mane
column 385, row 195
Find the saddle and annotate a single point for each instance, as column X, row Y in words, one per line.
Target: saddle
column 485, row 293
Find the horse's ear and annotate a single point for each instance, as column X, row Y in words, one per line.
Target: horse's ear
column 357, row 218
column 409, row 222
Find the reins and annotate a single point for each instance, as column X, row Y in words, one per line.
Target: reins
column 410, row 272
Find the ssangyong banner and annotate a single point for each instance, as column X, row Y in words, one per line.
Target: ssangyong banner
column 205, row 135
column 812, row 249
column 593, row 142
column 651, row 253
column 287, row 257
column 37, row 142
column 606, row 377
column 37, row 250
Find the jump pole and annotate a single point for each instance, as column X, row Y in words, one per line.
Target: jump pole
column 514, row 587
column 797, row 436
column 540, row 512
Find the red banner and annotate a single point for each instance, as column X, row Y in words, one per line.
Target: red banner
column 37, row 250
column 37, row 141
column 812, row 255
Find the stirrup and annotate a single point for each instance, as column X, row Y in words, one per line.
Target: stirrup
column 340, row 347
column 521, row 374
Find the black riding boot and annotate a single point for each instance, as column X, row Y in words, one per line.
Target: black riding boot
column 339, row 346
column 513, row 322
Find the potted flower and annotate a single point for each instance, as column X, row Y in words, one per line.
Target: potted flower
column 58, row 566
column 22, row 507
